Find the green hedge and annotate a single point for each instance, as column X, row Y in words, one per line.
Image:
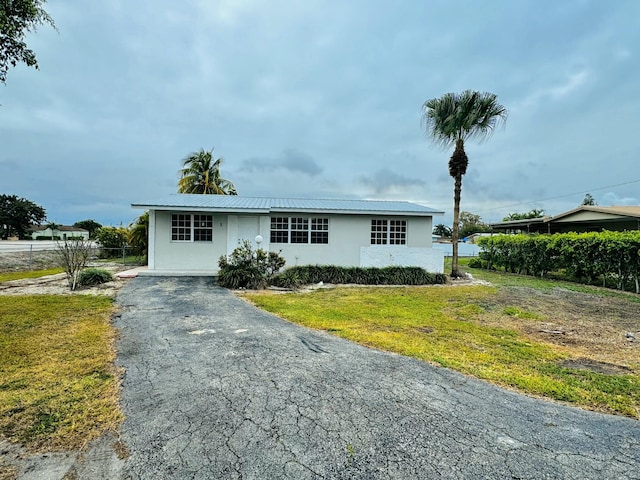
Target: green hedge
column 310, row 274
column 584, row 256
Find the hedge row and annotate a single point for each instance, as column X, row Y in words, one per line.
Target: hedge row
column 295, row 277
column 584, row 256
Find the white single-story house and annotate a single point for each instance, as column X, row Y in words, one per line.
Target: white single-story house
column 188, row 232
column 63, row 232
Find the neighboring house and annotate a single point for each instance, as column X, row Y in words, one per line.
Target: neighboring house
column 586, row 218
column 63, row 232
column 188, row 233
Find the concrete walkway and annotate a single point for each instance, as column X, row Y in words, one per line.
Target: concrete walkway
column 215, row 388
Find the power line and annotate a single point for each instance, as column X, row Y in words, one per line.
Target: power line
column 559, row 196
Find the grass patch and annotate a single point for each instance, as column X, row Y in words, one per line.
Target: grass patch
column 7, row 276
column 445, row 326
column 504, row 279
column 58, row 386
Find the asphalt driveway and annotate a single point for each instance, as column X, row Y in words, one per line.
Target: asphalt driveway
column 215, row 388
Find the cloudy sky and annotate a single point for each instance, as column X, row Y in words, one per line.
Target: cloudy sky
column 323, row 99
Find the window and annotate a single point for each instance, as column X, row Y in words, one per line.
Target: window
column 388, row 232
column 186, row 227
column 378, row 232
column 319, row 230
column 181, row 227
column 279, row 230
column 397, row 232
column 202, row 228
column 299, row 230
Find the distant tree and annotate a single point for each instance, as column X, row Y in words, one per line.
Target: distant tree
column 17, row 215
column 139, row 235
column 112, row 240
column 200, row 173
column 589, row 200
column 451, row 120
column 442, row 230
column 471, row 223
column 90, row 225
column 18, row 17
column 524, row 216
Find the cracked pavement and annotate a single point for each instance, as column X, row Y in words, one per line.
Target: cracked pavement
column 216, row 388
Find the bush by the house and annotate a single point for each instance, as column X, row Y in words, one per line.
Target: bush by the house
column 94, row 276
column 248, row 268
column 310, row 274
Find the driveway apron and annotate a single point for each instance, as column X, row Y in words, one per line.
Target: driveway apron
column 216, row 388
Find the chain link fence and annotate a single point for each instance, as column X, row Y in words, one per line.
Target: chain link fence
column 39, row 256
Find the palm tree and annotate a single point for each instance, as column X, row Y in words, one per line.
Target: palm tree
column 201, row 174
column 452, row 119
column 138, row 235
column 54, row 229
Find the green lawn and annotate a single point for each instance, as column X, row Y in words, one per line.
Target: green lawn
column 6, row 276
column 58, row 386
column 444, row 325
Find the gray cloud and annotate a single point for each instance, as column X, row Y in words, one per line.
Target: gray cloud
column 322, row 99
column 290, row 160
column 384, row 181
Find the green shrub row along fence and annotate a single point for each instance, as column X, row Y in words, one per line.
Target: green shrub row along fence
column 585, row 257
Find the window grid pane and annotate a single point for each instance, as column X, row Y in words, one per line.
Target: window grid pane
column 397, row 232
column 181, row 227
column 203, row 228
column 378, row 232
column 299, row 230
column 320, row 230
column 279, row 230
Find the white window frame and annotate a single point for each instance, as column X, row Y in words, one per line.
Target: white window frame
column 296, row 225
column 191, row 228
column 388, row 231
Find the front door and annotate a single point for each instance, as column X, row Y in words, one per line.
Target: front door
column 248, row 229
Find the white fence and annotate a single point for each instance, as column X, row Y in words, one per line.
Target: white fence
column 464, row 249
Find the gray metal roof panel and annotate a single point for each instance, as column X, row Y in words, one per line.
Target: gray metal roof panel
column 238, row 203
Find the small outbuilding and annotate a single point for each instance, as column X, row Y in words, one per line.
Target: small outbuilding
column 188, row 232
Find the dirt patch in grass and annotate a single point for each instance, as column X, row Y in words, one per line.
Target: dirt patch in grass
column 57, row 284
column 603, row 330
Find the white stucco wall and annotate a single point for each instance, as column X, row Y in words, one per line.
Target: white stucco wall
column 59, row 233
column 170, row 255
column 431, row 259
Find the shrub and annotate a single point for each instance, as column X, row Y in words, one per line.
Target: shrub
column 246, row 268
column 308, row 274
column 72, row 256
column 476, row 263
column 94, row 276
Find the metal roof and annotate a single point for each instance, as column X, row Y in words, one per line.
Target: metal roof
column 240, row 204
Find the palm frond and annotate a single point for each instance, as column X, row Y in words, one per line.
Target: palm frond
column 200, row 173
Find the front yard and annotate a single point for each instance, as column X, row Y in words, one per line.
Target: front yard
column 58, row 385
column 581, row 347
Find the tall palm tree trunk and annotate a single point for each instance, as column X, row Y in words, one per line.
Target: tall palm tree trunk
column 457, row 189
column 457, row 168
